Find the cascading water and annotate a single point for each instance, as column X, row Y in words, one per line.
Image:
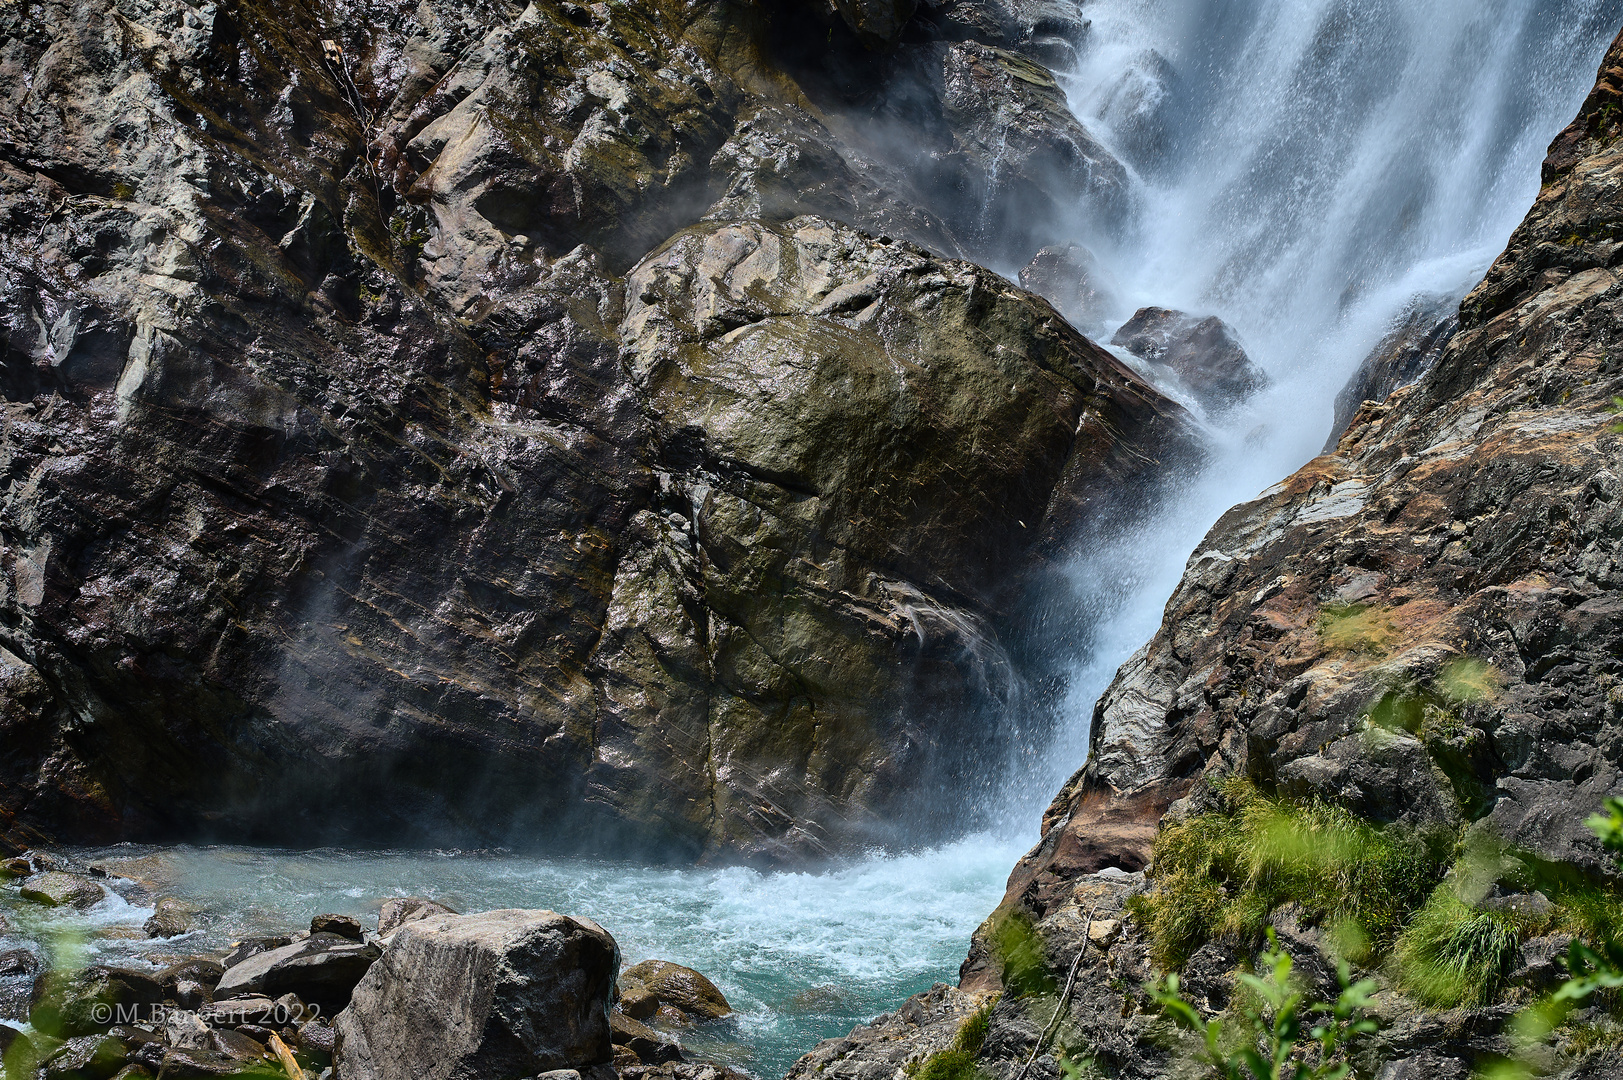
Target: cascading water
column 1305, row 169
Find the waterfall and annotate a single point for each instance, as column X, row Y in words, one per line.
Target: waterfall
column 1304, row 169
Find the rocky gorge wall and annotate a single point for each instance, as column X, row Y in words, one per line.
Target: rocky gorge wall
column 1465, row 528
column 553, row 424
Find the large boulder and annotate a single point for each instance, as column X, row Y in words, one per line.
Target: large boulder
column 488, row 556
column 498, row 995
column 322, row 970
column 1203, row 352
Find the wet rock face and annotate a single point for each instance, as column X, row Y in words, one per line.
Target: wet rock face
column 1204, row 353
column 1473, row 515
column 1030, row 163
column 1407, row 351
column 373, row 467
column 1071, row 279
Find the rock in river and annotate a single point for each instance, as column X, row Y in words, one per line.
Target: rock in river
column 1205, row 354
column 322, row 969
column 57, row 889
column 502, row 994
column 654, row 987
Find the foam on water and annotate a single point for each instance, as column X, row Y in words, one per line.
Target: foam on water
column 801, row 956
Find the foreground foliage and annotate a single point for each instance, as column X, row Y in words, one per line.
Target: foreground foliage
column 1273, row 1044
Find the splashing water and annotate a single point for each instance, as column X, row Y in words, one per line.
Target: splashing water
column 801, row 956
column 1304, row 169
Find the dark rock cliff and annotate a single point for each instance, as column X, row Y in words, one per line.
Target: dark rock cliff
column 444, row 423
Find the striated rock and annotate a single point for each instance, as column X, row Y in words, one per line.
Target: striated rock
column 57, row 889
column 343, row 925
column 322, row 969
column 503, row 993
column 1204, row 353
column 1409, row 350
column 397, row 912
column 1071, row 279
column 656, row 986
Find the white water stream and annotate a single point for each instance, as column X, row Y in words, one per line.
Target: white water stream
column 1309, row 166
column 1304, row 169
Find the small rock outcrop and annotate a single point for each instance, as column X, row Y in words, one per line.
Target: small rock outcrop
column 57, row 889
column 1408, row 350
column 345, row 926
column 502, row 994
column 1070, row 278
column 658, row 990
column 1204, row 353
column 398, row 911
column 323, row 969
column 171, row 917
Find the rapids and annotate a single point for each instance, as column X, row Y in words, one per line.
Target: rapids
column 800, row 956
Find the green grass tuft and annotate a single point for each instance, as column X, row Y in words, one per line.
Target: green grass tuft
column 1220, row 875
column 947, row 1065
column 1020, row 951
column 972, row 1032
column 1452, row 954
